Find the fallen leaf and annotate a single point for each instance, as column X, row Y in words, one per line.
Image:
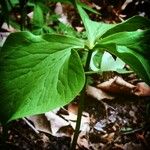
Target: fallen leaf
column 142, row 89
column 3, row 37
column 83, row 141
column 85, row 120
column 119, row 146
column 97, row 93
column 79, row 29
column 7, row 27
column 56, row 122
column 73, row 108
column 116, row 85
column 41, row 123
column 108, row 137
column 59, row 11
column 132, row 146
column 65, row 131
column 100, row 125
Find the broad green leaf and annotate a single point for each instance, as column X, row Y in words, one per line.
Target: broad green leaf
column 135, row 60
column 95, row 62
column 108, row 63
column 132, row 24
column 137, row 40
column 43, row 30
column 66, row 29
column 87, row 8
column 38, row 17
column 103, row 61
column 38, row 74
column 133, row 48
column 94, row 29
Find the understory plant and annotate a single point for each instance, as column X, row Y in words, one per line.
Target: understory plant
column 39, row 73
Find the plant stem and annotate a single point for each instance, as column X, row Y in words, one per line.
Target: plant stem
column 81, row 104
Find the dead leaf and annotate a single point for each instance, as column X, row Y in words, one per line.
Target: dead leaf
column 56, row 122
column 7, row 27
column 73, row 108
column 119, row 146
column 97, row 93
column 109, row 137
column 3, row 37
column 85, row 120
column 132, row 146
column 116, row 85
column 59, row 11
column 65, row 131
column 79, row 29
column 41, row 123
column 83, row 141
column 142, row 89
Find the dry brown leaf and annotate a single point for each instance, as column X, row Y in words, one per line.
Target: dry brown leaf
column 116, row 85
column 41, row 123
column 79, row 29
column 142, row 89
column 56, row 122
column 73, row 108
column 60, row 11
column 83, row 141
column 65, row 131
column 7, row 27
column 97, row 93
column 119, row 146
column 132, row 146
column 109, row 137
column 3, row 37
column 85, row 120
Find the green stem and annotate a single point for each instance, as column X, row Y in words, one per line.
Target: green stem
column 81, row 104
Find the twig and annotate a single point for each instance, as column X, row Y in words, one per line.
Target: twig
column 30, row 125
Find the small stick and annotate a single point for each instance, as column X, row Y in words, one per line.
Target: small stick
column 30, row 125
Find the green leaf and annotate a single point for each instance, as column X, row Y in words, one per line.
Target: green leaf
column 66, row 29
column 38, row 17
column 94, row 29
column 40, row 31
column 103, row 61
column 108, row 63
column 96, row 59
column 14, row 2
column 137, row 40
column 38, row 74
column 88, row 8
column 133, row 48
column 132, row 24
column 135, row 60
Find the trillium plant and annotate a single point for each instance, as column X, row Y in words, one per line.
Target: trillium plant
column 39, row 73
